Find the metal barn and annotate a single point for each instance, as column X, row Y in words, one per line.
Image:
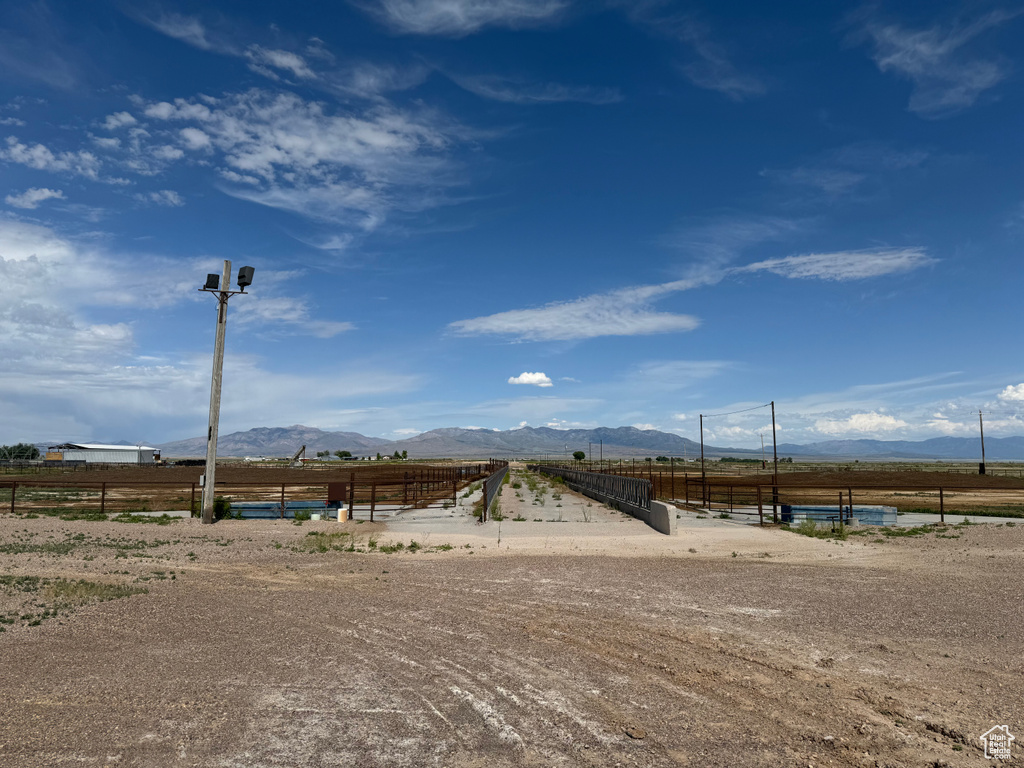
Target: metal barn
column 95, row 453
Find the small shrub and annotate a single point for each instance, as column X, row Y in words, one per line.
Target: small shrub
column 303, row 514
column 221, row 507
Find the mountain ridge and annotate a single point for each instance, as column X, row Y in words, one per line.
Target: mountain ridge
column 618, row 442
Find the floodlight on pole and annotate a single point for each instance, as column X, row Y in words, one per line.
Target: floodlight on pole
column 218, row 286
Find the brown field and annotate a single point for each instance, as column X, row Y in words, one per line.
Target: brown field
column 595, row 642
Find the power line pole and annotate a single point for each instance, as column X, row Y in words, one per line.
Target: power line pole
column 703, row 476
column 775, row 487
column 981, row 427
column 221, row 289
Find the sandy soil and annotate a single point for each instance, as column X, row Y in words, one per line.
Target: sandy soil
column 587, row 643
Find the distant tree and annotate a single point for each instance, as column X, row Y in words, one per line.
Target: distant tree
column 379, row 457
column 405, row 454
column 579, row 455
column 396, row 455
column 323, row 454
column 343, row 454
column 19, row 452
column 662, row 458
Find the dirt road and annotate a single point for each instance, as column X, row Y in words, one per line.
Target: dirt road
column 258, row 644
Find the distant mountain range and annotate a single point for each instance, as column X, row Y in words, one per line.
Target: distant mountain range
column 535, row 441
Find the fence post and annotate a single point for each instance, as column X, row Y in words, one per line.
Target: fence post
column 942, row 507
column 373, row 499
column 282, row 501
column 14, row 490
column 192, row 502
column 775, row 503
column 760, row 509
column 351, row 495
column 483, row 511
column 405, row 489
column 455, row 492
column 103, row 497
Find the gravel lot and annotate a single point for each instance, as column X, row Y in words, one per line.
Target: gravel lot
column 595, row 643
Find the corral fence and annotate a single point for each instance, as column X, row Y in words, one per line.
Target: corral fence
column 630, row 490
column 375, row 494
column 839, row 503
column 492, row 487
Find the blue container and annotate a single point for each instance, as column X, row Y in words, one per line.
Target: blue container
column 866, row 515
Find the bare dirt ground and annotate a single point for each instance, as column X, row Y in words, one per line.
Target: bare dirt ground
column 589, row 642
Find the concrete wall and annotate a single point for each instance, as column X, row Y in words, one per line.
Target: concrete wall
column 661, row 517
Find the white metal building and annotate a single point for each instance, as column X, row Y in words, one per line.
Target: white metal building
column 95, row 453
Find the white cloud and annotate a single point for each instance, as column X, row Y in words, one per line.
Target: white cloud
column 711, row 66
column 407, row 431
column 537, row 379
column 43, row 159
column 712, row 69
column 860, row 424
column 262, row 59
column 618, row 313
column 461, row 17
column 840, row 171
column 188, row 29
column 285, row 315
column 347, row 166
column 31, row 198
column 645, row 427
column 1014, row 393
column 195, row 139
column 504, row 89
column 12, row 121
column 627, row 312
column 844, row 265
column 164, row 197
column 119, row 120
column 946, row 78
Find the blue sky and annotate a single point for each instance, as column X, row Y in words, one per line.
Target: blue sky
column 500, row 212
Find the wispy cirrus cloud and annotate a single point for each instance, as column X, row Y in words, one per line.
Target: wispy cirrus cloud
column 712, row 68
column 617, row 313
column 519, row 92
column 844, row 265
column 187, row 29
column 457, row 18
column 710, row 65
column 947, row 74
column 630, row 312
column 266, row 60
column 841, row 171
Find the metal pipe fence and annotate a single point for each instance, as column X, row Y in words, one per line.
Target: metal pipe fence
column 491, row 489
column 630, row 490
column 72, row 494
